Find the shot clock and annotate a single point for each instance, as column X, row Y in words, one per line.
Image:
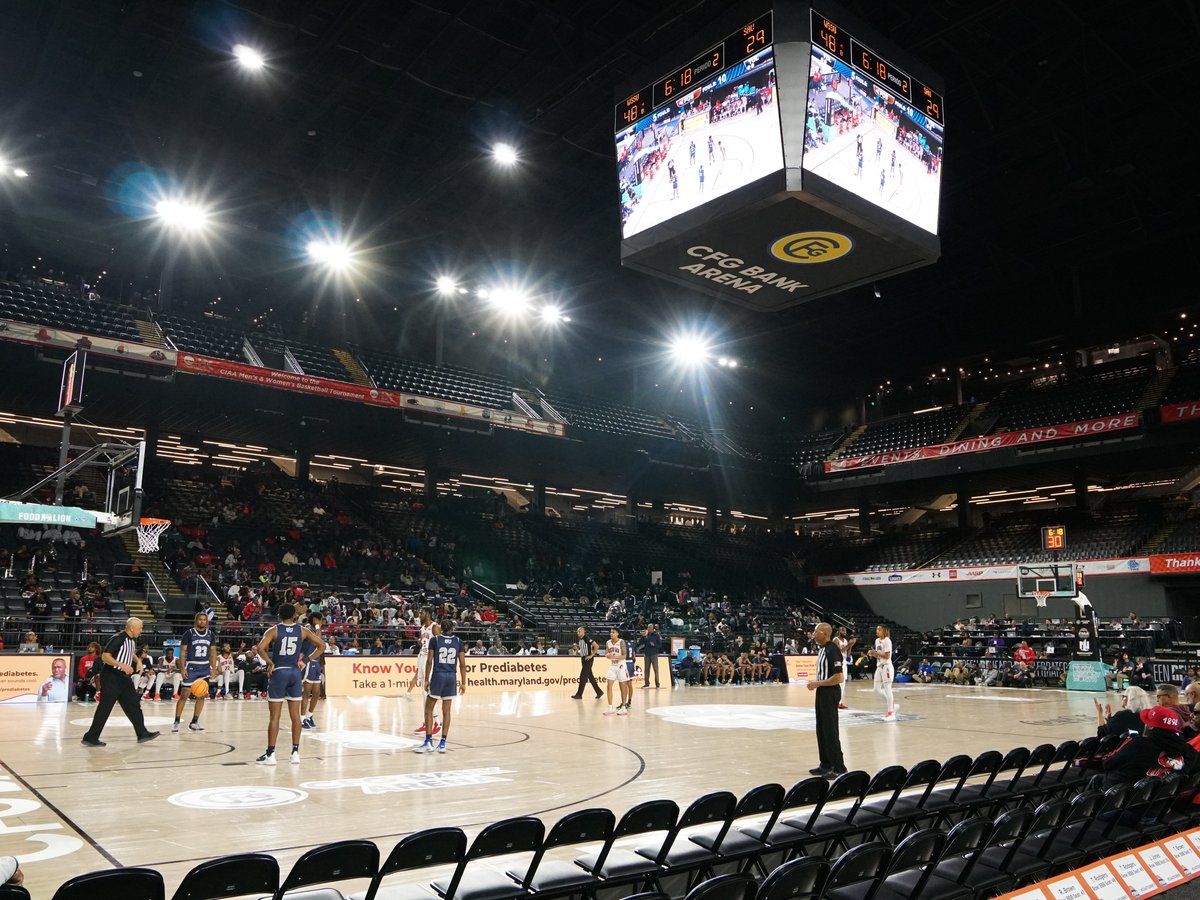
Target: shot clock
column 1054, row 537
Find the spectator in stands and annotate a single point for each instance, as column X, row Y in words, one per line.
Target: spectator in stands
column 477, row 649
column 1168, row 695
column 991, row 677
column 497, row 648
column 1156, row 753
column 1019, row 676
column 1142, row 675
column 925, row 672
column 30, row 644
column 1125, row 720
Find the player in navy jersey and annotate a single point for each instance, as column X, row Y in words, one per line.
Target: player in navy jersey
column 197, row 662
column 447, row 662
column 312, row 675
column 283, row 648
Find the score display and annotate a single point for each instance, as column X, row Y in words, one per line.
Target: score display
column 705, row 129
column 1054, row 537
column 742, row 44
column 797, row 155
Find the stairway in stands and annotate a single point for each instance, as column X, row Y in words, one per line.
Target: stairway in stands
column 149, row 333
column 1152, row 393
column 1154, row 543
column 152, row 564
column 358, row 374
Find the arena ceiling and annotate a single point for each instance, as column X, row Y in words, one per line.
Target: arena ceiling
column 1069, row 181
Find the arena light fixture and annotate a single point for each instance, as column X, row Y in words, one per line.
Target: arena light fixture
column 20, row 173
column 505, row 154
column 446, row 285
column 510, row 301
column 334, row 254
column 552, row 315
column 689, row 351
column 249, row 58
column 182, row 214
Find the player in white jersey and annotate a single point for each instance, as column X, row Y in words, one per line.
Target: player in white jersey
column 845, row 643
column 428, row 630
column 885, row 669
column 618, row 671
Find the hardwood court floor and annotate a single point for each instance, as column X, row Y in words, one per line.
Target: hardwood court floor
column 186, row 797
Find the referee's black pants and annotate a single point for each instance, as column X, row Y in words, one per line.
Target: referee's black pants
column 116, row 687
column 829, row 740
column 586, row 677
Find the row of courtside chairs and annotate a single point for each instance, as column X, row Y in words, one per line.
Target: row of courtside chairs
column 962, row 829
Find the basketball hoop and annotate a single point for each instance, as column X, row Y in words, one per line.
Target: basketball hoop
column 1038, row 596
column 148, row 533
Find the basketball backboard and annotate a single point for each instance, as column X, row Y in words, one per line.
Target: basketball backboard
column 1056, row 578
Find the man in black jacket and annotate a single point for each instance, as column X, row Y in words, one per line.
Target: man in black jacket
column 1156, row 753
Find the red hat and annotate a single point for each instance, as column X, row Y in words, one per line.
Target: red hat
column 1162, row 717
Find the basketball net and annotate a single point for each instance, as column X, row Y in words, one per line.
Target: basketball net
column 1038, row 596
column 148, row 533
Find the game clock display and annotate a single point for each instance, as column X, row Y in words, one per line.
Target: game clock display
column 707, row 128
column 1054, row 537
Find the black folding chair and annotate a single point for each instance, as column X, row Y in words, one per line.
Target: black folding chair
column 231, row 876
column 552, row 878
column 735, row 886
column 339, row 861
column 617, row 867
column 820, row 828
column 839, row 826
column 114, row 884
column 964, row 839
column 1019, row 858
column 915, row 854
column 522, row 834
column 855, row 873
column 687, row 858
column 809, row 793
column 1063, row 848
column 432, row 847
column 901, row 809
column 937, row 799
column 13, row 892
column 800, row 879
column 995, row 792
column 735, row 846
column 983, row 881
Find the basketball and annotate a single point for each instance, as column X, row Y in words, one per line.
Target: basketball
column 200, row 690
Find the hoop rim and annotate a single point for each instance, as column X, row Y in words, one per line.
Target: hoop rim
column 147, row 520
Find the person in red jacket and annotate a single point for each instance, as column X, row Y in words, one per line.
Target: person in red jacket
column 1024, row 653
column 85, row 687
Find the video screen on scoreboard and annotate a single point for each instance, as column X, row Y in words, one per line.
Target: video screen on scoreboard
column 872, row 143
column 714, row 139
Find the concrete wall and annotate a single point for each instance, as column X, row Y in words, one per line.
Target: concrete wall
column 928, row 606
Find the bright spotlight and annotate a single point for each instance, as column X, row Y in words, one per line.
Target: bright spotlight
column 446, row 285
column 20, row 173
column 505, row 154
column 335, row 255
column 723, row 361
column 689, row 350
column 182, row 215
column 249, row 58
column 733, row 363
column 509, row 301
column 552, row 315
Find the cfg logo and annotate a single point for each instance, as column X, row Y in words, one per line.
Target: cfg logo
column 807, row 247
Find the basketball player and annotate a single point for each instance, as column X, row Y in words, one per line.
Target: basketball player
column 283, row 648
column 429, row 630
column 167, row 672
column 444, row 658
column 197, row 662
column 885, row 671
column 845, row 644
column 312, row 675
column 616, row 652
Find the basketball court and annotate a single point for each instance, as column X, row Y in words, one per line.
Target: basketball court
column 191, row 796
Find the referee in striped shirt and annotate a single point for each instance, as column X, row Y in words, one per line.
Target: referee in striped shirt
column 116, row 685
column 827, row 683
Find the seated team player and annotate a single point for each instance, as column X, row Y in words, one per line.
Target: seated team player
column 197, row 662
column 166, row 670
column 446, row 663
column 228, row 674
column 762, row 665
column 724, row 669
column 283, row 648
column 709, row 667
column 144, row 681
column 312, row 676
column 745, row 668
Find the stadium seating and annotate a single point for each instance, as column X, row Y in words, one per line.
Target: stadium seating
column 960, row 829
column 611, row 418
column 40, row 304
column 903, row 432
column 1105, row 394
column 449, row 382
column 314, row 360
column 207, row 337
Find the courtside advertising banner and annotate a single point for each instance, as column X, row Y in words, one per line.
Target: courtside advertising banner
column 1042, row 435
column 388, row 676
column 801, row 668
column 35, row 678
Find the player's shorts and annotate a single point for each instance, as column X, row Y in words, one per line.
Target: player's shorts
column 618, row 671
column 421, row 659
column 885, row 672
column 443, row 685
column 312, row 672
column 194, row 673
column 285, row 684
